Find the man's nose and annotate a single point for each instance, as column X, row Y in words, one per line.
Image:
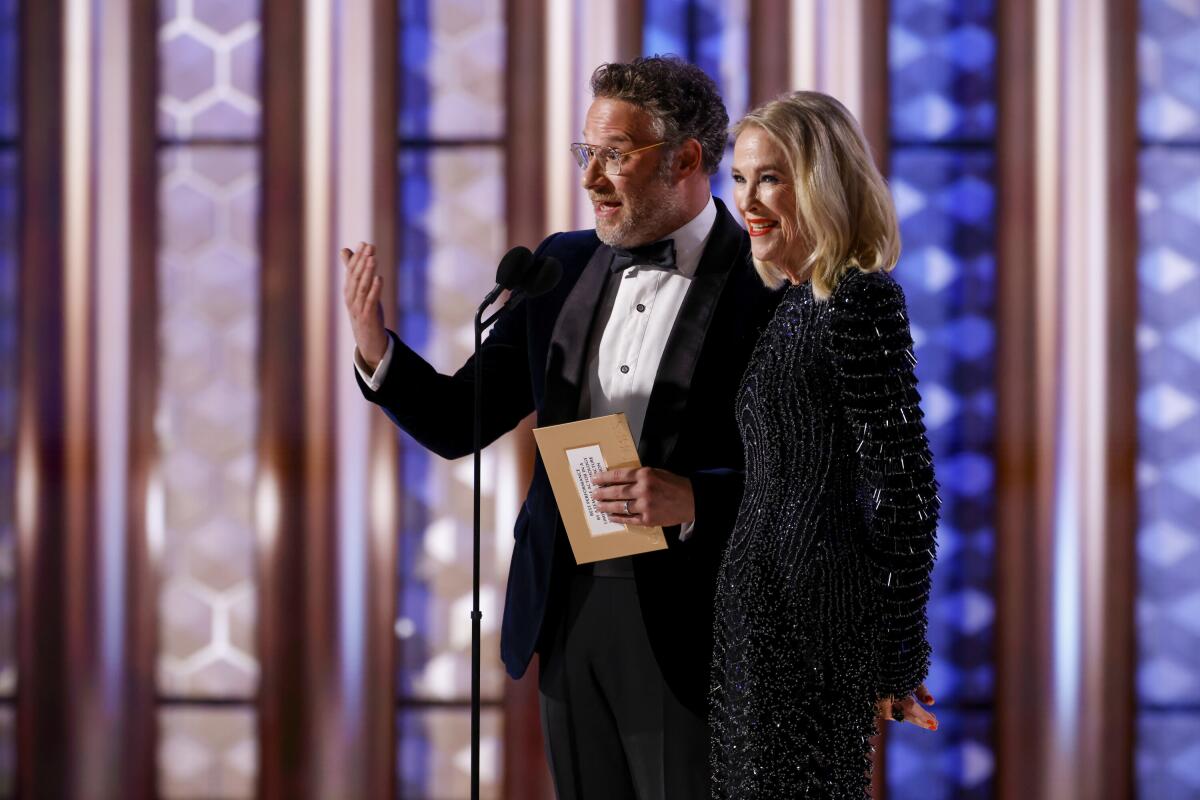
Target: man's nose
column 593, row 174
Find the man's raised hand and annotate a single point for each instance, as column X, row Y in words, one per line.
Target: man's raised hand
column 362, row 289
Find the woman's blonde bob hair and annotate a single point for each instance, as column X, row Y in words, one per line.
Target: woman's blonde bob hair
column 844, row 213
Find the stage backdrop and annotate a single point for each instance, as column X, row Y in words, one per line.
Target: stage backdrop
column 439, row 128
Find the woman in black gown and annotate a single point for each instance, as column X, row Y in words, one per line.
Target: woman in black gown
column 821, row 599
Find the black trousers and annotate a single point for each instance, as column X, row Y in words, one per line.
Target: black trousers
column 612, row 727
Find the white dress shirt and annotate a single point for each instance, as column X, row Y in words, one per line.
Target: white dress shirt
column 623, row 359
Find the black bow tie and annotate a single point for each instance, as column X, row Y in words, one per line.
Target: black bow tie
column 656, row 254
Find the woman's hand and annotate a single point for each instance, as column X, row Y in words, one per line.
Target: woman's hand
column 909, row 709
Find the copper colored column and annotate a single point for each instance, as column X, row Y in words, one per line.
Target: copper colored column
column 45, row 746
column 383, row 524
column 142, row 587
column 286, row 512
column 526, row 776
column 1113, row 727
column 1024, row 463
column 875, row 117
column 85, row 664
column 770, row 25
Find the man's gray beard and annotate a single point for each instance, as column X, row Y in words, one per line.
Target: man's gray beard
column 648, row 215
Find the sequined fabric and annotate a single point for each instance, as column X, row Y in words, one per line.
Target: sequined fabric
column 822, row 591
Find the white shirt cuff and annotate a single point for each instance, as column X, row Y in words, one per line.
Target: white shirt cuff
column 685, row 530
column 374, row 379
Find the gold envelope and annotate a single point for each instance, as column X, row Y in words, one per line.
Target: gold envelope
column 572, row 452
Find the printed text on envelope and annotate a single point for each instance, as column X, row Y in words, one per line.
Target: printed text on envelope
column 586, row 462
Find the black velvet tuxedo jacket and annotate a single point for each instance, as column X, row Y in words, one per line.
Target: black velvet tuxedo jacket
column 534, row 360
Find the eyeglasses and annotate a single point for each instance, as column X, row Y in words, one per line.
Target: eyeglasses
column 610, row 157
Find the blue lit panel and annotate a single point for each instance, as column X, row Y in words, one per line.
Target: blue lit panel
column 1167, row 755
column 450, row 234
column 942, row 62
column 955, row 763
column 432, row 762
column 945, row 200
column 451, row 69
column 942, row 59
column 1168, row 339
column 8, row 69
column 440, row 269
column 713, row 35
column 1169, row 72
column 1168, row 607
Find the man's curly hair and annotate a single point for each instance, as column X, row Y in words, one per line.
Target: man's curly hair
column 681, row 98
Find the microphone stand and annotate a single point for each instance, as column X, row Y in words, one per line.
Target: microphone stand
column 476, row 615
column 481, row 325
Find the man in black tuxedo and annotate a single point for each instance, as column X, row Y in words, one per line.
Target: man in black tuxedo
column 655, row 316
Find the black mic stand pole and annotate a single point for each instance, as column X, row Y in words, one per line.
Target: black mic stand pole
column 476, row 615
column 481, row 324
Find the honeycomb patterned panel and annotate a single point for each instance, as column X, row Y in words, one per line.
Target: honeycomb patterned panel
column 943, row 101
column 956, row 763
column 1167, row 755
column 945, row 201
column 209, row 52
column 209, row 296
column 1168, row 472
column 1169, row 71
column 433, row 755
column 451, row 69
column 9, row 101
column 714, row 36
column 451, row 234
column 207, row 754
column 942, row 64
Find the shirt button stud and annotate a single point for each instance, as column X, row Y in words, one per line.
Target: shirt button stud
column 624, row 369
column 641, row 307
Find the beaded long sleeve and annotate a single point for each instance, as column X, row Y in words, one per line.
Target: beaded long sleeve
column 874, row 363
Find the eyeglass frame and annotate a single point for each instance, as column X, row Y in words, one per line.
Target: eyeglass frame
column 618, row 156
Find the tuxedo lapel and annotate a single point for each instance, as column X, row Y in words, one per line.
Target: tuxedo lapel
column 569, row 340
column 668, row 399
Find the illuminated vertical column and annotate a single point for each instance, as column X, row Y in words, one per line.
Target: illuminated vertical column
column 362, row 114
column 1084, row 263
column 827, row 49
column 76, row 549
column 580, row 36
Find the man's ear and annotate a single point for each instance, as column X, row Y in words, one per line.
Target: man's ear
column 689, row 158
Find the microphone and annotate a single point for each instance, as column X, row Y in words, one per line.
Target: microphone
column 543, row 276
column 514, row 270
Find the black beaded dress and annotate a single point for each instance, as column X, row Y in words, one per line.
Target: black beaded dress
column 822, row 590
